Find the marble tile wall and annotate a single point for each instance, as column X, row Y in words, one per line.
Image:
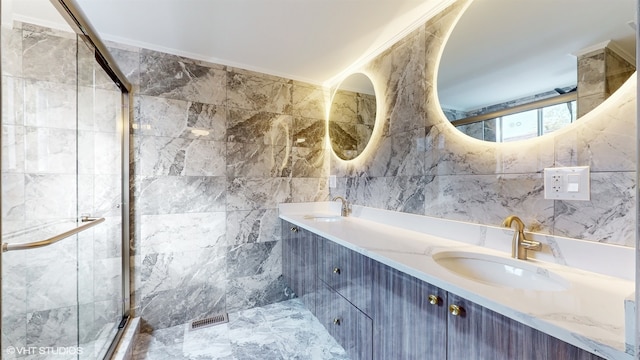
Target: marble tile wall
column 353, row 117
column 60, row 158
column 422, row 165
column 214, row 150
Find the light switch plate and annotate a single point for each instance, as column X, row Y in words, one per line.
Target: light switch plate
column 567, row 183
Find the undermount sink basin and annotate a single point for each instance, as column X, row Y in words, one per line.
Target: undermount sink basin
column 323, row 217
column 499, row 271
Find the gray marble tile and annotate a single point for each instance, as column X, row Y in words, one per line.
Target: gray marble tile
column 49, row 57
column 168, row 233
column 13, row 149
column 399, row 193
column 56, row 327
column 252, row 259
column 309, row 132
column 257, row 193
column 13, row 198
column 257, row 160
column 128, row 62
column 249, row 126
column 178, row 156
column 401, row 154
column 50, row 150
column 258, row 290
column 172, row 307
column 159, row 116
column 309, row 189
column 49, row 104
column 179, row 78
column 245, row 227
column 259, row 93
column 309, row 162
column 308, row 100
column 50, row 196
column 608, row 217
column 156, row 195
column 11, row 51
column 14, row 334
column 99, row 109
column 12, row 100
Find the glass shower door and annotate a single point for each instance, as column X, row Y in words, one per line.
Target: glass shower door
column 62, row 180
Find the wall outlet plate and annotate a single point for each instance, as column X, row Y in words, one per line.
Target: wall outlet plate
column 567, row 183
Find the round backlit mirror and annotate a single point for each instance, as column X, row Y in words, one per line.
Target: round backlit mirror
column 514, row 70
column 352, row 116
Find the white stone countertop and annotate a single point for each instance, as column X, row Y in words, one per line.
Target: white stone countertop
column 589, row 314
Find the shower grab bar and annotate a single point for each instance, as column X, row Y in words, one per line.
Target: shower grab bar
column 90, row 222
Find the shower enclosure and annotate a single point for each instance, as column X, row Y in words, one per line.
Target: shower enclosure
column 64, row 219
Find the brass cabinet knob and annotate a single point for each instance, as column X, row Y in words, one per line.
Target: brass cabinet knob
column 337, row 321
column 336, row 270
column 434, row 299
column 456, row 310
column 294, row 229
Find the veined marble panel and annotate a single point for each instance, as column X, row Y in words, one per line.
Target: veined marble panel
column 49, row 104
column 107, row 238
column 488, row 199
column 14, row 333
column 180, row 78
column 606, row 143
column 178, row 118
column 11, row 51
column 108, row 154
column 107, row 280
column 49, row 150
column 128, row 61
column 163, row 234
column 400, row 193
column 49, row 57
column 51, row 284
column 401, row 154
column 260, row 225
column 12, row 100
column 166, row 308
column 259, row 93
column 308, row 100
column 14, row 285
column 309, row 133
column 252, row 259
column 107, row 197
column 157, row 156
column 179, row 194
column 99, row 109
column 55, row 327
column 13, row 149
column 309, row 162
column 258, row 160
column 608, row 217
column 258, row 290
column 50, row 196
column 309, row 189
column 257, row 193
column 248, row 126
column 13, row 197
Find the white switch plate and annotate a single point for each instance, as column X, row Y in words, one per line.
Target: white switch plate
column 567, row 183
column 332, row 181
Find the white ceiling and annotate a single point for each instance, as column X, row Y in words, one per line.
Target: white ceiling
column 307, row 40
column 319, row 41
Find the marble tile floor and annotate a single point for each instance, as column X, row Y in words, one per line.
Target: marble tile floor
column 285, row 330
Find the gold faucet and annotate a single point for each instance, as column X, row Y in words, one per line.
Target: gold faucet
column 520, row 244
column 346, row 208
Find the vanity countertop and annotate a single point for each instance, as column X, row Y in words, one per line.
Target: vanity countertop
column 590, row 314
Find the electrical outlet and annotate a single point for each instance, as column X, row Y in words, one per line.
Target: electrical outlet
column 567, row 183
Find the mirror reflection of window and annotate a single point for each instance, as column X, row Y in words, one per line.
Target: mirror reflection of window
column 523, row 125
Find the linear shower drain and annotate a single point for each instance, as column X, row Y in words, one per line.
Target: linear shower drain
column 210, row 321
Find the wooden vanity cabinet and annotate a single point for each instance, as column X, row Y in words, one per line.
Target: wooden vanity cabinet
column 299, row 257
column 377, row 312
column 410, row 319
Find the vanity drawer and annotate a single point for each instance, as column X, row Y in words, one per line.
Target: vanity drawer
column 351, row 328
column 347, row 272
column 299, row 256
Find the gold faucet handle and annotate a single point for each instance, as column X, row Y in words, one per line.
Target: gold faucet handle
column 531, row 245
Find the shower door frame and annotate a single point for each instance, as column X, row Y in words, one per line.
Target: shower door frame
column 74, row 16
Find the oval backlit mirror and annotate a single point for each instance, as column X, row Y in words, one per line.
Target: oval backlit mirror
column 352, row 116
column 513, row 70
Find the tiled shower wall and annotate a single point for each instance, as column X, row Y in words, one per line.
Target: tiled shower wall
column 422, row 165
column 213, row 153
